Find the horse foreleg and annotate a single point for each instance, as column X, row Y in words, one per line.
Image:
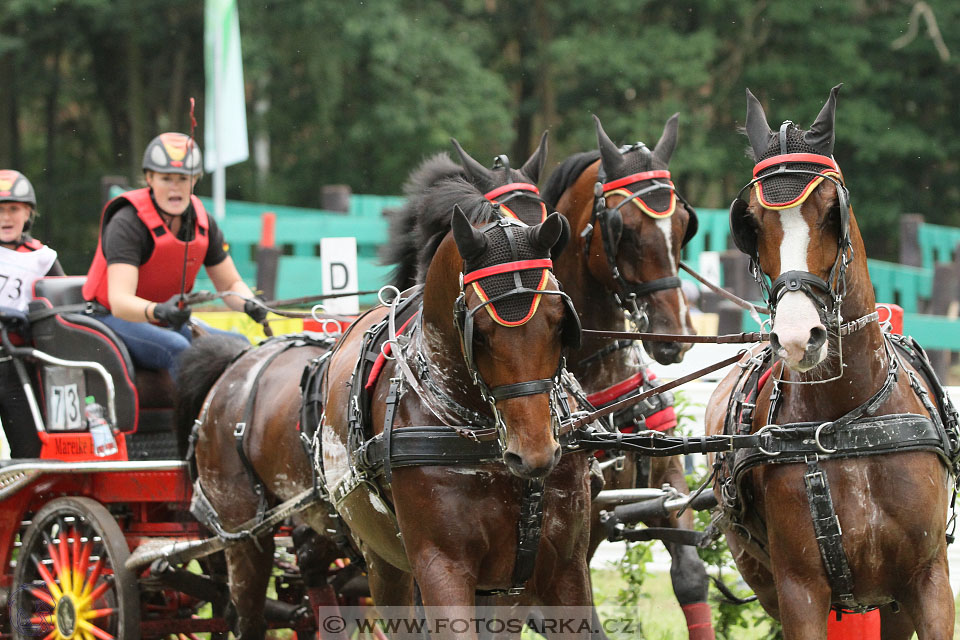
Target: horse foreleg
column 687, row 572
column 895, row 625
column 804, row 608
column 447, row 591
column 248, row 570
column 929, row 602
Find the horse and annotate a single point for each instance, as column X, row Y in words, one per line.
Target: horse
column 248, row 455
column 629, row 225
column 477, row 495
column 843, row 504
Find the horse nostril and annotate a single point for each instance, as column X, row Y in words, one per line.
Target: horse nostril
column 513, row 461
column 818, row 335
column 775, row 342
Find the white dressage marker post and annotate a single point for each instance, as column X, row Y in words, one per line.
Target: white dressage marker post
column 338, row 259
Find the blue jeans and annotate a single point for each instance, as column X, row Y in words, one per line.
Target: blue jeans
column 154, row 347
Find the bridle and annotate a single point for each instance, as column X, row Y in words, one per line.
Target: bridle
column 826, row 295
column 464, row 322
column 609, row 221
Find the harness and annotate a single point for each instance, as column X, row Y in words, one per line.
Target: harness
column 465, row 436
column 200, row 506
column 855, row 434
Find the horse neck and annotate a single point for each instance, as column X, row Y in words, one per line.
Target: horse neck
column 438, row 339
column 863, row 354
column 592, row 298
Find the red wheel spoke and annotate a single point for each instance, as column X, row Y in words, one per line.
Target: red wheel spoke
column 75, row 561
column 40, row 595
column 47, row 578
column 99, row 591
column 66, row 575
column 93, row 614
column 84, row 565
column 94, row 575
column 94, row 629
column 55, row 557
column 51, row 635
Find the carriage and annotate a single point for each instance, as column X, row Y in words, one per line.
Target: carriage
column 103, row 519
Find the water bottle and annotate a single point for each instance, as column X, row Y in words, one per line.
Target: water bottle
column 104, row 443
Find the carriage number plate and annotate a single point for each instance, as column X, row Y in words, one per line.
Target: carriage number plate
column 65, row 410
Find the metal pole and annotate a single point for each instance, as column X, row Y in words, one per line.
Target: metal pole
column 219, row 172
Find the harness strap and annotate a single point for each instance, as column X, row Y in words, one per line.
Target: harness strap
column 393, row 395
column 826, row 527
column 613, row 347
column 520, row 389
column 239, row 431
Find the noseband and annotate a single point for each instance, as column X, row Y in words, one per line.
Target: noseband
column 610, row 224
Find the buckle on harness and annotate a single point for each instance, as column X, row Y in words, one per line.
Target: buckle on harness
column 239, row 430
column 816, row 438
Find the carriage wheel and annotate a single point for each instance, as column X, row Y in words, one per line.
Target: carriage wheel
column 70, row 582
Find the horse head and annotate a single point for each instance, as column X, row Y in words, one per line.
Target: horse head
column 512, row 322
column 514, row 191
column 796, row 225
column 642, row 225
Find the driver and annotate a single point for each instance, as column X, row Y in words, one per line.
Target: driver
column 23, row 261
column 152, row 244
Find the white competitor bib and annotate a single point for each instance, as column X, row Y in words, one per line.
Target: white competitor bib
column 18, row 271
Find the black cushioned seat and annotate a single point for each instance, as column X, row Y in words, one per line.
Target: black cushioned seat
column 72, row 335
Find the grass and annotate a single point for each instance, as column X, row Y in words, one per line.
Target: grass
column 657, row 611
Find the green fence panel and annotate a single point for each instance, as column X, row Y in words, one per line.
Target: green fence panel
column 937, row 243
column 900, row 284
column 933, row 332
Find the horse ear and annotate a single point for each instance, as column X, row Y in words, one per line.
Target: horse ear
column 668, row 140
column 533, row 167
column 758, row 131
column 546, row 234
column 474, row 169
column 612, row 158
column 470, row 242
column 820, row 136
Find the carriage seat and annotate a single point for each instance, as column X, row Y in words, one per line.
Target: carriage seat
column 61, row 328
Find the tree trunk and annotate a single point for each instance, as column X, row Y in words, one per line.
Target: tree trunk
column 135, row 102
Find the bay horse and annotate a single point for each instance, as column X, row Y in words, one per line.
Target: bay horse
column 628, row 225
column 476, row 367
column 844, row 505
column 237, row 414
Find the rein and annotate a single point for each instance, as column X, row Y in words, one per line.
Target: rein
column 640, row 397
column 737, row 300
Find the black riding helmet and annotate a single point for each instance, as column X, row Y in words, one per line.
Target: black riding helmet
column 173, row 153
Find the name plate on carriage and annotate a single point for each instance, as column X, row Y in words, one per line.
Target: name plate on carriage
column 64, row 390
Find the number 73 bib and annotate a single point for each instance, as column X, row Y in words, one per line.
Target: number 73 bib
column 18, row 271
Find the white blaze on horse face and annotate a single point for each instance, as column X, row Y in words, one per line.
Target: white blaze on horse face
column 796, row 314
column 666, row 228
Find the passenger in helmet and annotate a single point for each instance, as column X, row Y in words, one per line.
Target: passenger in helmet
column 23, row 261
column 153, row 242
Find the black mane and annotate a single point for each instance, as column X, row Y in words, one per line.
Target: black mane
column 565, row 175
column 418, row 227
